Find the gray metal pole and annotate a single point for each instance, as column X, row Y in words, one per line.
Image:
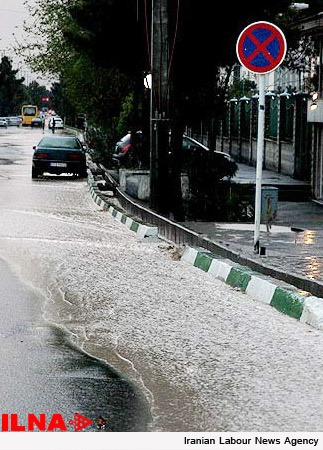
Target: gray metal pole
column 260, row 152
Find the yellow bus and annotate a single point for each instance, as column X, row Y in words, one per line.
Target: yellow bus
column 28, row 112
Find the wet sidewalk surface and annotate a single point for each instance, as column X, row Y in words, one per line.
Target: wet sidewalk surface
column 247, row 174
column 294, row 252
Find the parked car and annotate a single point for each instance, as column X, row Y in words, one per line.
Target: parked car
column 59, row 154
column 3, row 122
column 190, row 144
column 13, row 121
column 123, row 149
column 36, row 122
column 58, row 122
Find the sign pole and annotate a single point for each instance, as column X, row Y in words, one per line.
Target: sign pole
column 261, row 48
column 260, row 152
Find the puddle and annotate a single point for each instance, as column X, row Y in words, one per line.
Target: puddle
column 6, row 162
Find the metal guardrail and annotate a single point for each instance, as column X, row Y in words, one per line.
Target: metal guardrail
column 178, row 234
column 167, row 229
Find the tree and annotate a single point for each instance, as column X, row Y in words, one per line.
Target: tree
column 44, row 47
column 315, row 6
column 78, row 45
column 240, row 88
column 205, row 41
column 119, row 62
column 11, row 88
column 34, row 93
column 61, row 102
column 300, row 47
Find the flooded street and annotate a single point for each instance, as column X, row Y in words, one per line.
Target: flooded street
column 42, row 370
column 186, row 352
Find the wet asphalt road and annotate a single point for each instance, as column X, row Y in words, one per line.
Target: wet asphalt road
column 41, row 371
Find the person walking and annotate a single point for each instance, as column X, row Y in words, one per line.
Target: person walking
column 53, row 125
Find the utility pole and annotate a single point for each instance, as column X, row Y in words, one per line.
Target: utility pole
column 159, row 110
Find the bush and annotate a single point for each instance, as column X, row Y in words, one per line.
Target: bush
column 212, row 195
column 101, row 147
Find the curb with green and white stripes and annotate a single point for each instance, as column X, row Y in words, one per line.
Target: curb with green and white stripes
column 140, row 229
column 306, row 309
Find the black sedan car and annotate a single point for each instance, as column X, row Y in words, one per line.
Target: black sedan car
column 191, row 148
column 59, row 154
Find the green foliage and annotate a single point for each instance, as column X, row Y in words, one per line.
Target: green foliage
column 11, row 89
column 209, row 174
column 241, row 88
column 44, row 47
column 220, row 200
column 207, row 169
column 110, row 33
column 123, row 121
column 101, row 146
column 71, row 38
column 75, row 40
column 298, row 47
column 34, row 93
column 239, row 203
column 61, row 102
column 206, row 40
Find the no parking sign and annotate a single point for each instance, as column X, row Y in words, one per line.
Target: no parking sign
column 261, row 47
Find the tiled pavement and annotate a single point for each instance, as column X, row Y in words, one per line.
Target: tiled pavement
column 296, row 252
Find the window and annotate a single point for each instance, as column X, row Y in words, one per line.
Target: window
column 30, row 111
column 58, row 142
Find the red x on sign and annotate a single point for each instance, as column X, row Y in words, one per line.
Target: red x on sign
column 261, row 47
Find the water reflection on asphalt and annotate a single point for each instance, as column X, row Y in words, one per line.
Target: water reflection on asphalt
column 42, row 372
column 295, row 244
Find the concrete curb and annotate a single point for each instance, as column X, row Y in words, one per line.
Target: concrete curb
column 282, row 296
column 140, row 229
column 307, row 309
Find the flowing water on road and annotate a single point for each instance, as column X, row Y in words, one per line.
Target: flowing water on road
column 198, row 355
column 42, row 369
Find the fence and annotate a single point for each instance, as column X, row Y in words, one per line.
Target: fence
column 287, row 133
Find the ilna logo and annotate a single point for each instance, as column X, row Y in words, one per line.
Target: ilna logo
column 10, row 423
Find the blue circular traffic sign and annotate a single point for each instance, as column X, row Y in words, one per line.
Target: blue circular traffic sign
column 261, row 47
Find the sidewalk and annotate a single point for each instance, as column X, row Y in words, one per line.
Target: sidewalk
column 296, row 252
column 247, row 174
column 290, row 283
column 295, row 243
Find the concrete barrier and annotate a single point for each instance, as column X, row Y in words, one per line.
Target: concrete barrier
column 306, row 308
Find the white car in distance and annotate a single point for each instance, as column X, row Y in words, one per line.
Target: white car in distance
column 58, row 122
column 3, row 122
